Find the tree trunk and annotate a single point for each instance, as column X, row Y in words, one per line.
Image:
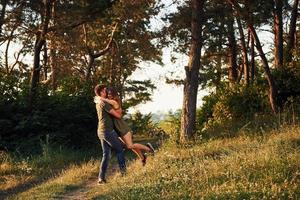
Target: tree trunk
column 53, row 66
column 52, row 51
column 40, row 41
column 90, row 65
column 269, row 77
column 35, row 75
column 45, row 62
column 93, row 56
column 252, row 62
column 6, row 64
column 244, row 52
column 188, row 116
column 218, row 74
column 292, row 31
column 278, row 32
column 232, row 70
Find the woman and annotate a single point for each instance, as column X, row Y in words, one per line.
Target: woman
column 123, row 129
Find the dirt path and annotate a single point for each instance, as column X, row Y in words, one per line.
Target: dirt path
column 80, row 194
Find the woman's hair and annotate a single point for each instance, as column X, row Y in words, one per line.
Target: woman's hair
column 113, row 92
column 98, row 89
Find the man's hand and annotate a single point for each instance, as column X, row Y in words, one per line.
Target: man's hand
column 101, row 103
column 98, row 100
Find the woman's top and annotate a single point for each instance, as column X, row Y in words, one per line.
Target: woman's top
column 120, row 126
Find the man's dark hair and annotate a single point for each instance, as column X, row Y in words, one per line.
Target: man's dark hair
column 98, row 89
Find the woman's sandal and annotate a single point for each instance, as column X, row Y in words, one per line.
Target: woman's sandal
column 144, row 160
column 149, row 145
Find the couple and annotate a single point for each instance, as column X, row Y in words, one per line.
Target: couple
column 113, row 131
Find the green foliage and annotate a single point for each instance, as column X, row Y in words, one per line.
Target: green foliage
column 226, row 111
column 137, row 92
column 205, row 113
column 141, row 124
column 288, row 85
column 68, row 116
column 171, row 125
column 240, row 102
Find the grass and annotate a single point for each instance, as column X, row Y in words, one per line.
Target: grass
column 72, row 178
column 19, row 173
column 245, row 167
column 264, row 167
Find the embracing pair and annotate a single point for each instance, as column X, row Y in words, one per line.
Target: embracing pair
column 113, row 131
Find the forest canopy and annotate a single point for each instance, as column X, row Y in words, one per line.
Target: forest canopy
column 54, row 52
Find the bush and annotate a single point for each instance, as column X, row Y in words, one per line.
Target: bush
column 288, row 86
column 230, row 109
column 171, row 126
column 141, row 124
column 68, row 115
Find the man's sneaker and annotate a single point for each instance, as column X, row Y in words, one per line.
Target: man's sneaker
column 123, row 173
column 101, row 181
column 150, row 147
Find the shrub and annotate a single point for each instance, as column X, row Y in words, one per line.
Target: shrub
column 171, row 125
column 230, row 108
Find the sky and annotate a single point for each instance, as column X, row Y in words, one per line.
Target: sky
column 166, row 97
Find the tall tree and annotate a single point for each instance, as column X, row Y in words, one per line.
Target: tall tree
column 244, row 51
column 292, row 31
column 269, row 77
column 278, row 32
column 90, row 11
column 252, row 60
column 190, row 91
column 232, row 51
column 40, row 41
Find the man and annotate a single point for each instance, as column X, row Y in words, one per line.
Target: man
column 108, row 137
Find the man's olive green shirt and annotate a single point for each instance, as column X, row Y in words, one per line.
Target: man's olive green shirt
column 105, row 121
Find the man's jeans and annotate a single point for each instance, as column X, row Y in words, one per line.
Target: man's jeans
column 110, row 140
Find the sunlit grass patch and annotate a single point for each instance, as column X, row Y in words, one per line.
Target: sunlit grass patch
column 69, row 179
column 262, row 167
column 14, row 172
column 246, row 167
column 19, row 173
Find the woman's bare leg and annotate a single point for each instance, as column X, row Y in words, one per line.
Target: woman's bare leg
column 136, row 151
column 127, row 138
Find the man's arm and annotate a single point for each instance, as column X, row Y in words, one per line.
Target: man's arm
column 115, row 114
column 108, row 108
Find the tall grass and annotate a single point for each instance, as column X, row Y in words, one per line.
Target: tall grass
column 256, row 167
column 19, row 173
column 71, row 178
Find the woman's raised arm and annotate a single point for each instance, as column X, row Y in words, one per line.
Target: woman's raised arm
column 112, row 102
